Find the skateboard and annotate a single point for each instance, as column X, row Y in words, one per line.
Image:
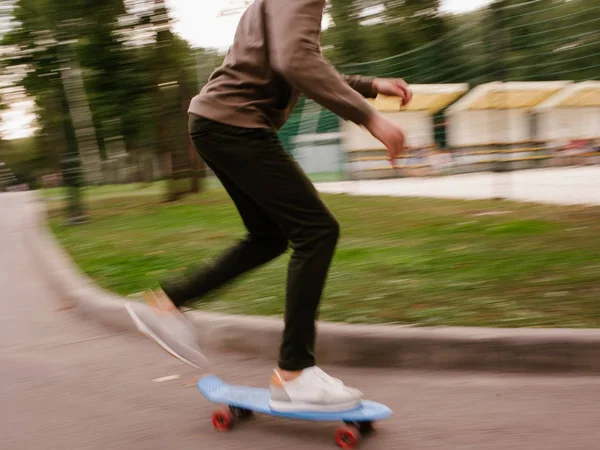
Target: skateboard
column 240, row 402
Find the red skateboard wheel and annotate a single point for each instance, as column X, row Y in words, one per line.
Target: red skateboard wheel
column 222, row 419
column 347, row 437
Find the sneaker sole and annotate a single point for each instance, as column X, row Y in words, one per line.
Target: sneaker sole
column 141, row 326
column 313, row 408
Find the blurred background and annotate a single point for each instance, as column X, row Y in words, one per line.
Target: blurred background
column 97, row 92
column 506, row 106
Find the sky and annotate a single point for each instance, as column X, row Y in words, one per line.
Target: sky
column 197, row 20
column 199, row 23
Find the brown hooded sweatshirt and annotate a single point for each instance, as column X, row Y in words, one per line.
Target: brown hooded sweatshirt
column 275, row 57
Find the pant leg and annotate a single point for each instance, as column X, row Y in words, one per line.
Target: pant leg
column 256, row 162
column 264, row 242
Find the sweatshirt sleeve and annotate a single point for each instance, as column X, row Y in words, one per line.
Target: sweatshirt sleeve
column 294, row 31
column 362, row 85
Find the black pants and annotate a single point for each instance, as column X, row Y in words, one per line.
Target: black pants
column 278, row 205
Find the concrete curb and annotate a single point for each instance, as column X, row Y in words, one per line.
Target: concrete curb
column 514, row 350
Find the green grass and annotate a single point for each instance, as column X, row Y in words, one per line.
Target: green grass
column 400, row 260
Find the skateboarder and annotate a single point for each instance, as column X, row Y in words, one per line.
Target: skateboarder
column 233, row 123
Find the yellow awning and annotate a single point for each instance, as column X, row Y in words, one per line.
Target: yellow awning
column 511, row 95
column 580, row 95
column 431, row 98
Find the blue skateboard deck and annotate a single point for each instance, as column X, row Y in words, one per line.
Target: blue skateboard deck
column 242, row 401
column 217, row 391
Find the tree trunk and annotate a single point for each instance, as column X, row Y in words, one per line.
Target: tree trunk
column 81, row 117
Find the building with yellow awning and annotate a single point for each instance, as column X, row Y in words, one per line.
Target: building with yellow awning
column 367, row 157
column 416, row 118
column 573, row 113
column 498, row 113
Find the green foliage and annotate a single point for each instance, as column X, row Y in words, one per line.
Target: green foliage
column 366, row 30
column 400, row 260
column 515, row 40
column 25, row 158
column 125, row 54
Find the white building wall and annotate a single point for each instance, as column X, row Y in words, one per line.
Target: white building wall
column 569, row 123
column 480, row 127
column 417, row 125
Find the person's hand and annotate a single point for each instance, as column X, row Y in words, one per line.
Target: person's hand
column 393, row 88
column 389, row 134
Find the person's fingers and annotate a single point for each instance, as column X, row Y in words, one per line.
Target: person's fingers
column 390, row 135
column 396, row 148
column 393, row 154
column 405, row 91
column 403, row 87
column 401, row 144
column 410, row 94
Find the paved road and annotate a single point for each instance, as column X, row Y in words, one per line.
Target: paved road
column 562, row 186
column 67, row 383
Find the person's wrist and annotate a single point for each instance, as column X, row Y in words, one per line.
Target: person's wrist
column 373, row 120
column 368, row 122
column 375, row 87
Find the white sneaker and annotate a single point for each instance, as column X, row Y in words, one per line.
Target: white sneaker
column 312, row 391
column 171, row 331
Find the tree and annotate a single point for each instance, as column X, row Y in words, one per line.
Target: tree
column 364, row 30
column 48, row 42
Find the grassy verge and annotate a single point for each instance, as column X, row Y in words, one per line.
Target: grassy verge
column 156, row 189
column 400, row 260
